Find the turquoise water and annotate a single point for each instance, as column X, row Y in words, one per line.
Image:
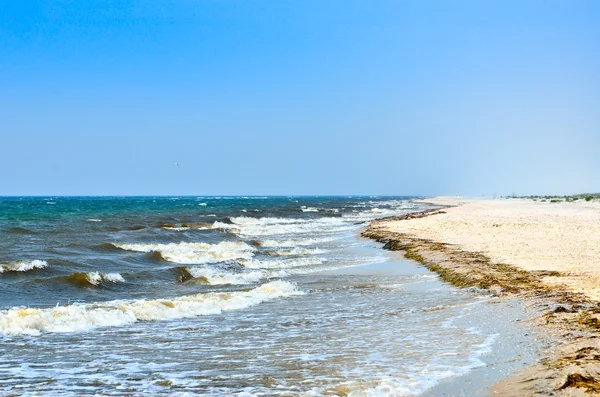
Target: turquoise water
column 220, row 296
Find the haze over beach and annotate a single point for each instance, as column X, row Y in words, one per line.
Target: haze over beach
column 283, row 198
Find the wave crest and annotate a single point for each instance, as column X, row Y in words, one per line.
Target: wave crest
column 220, row 277
column 256, row 227
column 188, row 226
column 297, row 242
column 85, row 317
column 23, row 266
column 92, row 279
column 191, row 253
column 296, row 251
column 280, row 264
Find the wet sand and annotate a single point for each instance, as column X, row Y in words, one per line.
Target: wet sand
column 516, row 345
column 545, row 253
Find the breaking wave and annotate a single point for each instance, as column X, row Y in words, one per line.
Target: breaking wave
column 22, row 266
column 280, row 264
column 294, row 243
column 297, row 251
column 92, row 279
column 185, row 226
column 256, row 227
column 85, row 317
column 219, row 277
column 192, row 253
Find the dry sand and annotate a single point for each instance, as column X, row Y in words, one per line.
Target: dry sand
column 534, row 236
column 545, row 253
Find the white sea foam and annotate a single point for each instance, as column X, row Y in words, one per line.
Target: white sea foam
column 94, row 220
column 217, row 276
column 95, row 278
column 371, row 214
column 23, row 266
column 248, row 220
column 222, row 225
column 280, row 264
column 256, row 227
column 413, row 383
column 189, row 253
column 390, row 387
column 85, row 317
column 184, row 228
column 309, row 209
column 299, row 251
column 296, row 242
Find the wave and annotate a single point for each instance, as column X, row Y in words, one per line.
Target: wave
column 248, row 220
column 107, row 247
column 19, row 230
column 22, row 266
column 297, row 242
column 371, row 214
column 258, row 270
column 186, row 226
column 417, row 382
column 297, row 251
column 155, row 256
column 191, row 253
column 86, row 317
column 280, row 264
column 256, row 227
column 135, row 227
column 92, row 279
column 165, row 225
column 220, row 277
column 222, row 225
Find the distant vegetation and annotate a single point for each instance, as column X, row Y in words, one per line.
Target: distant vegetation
column 558, row 199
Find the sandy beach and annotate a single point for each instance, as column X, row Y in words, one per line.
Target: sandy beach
column 534, row 236
column 546, row 253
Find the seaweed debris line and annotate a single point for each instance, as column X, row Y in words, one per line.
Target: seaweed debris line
column 466, row 243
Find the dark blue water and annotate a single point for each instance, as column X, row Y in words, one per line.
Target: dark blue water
column 77, row 236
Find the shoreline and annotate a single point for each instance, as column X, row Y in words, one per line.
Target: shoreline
column 572, row 366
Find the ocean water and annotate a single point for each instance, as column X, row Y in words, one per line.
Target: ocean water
column 212, row 296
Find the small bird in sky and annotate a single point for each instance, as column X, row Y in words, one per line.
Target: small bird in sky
column 177, row 164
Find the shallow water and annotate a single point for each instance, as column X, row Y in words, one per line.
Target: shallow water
column 222, row 296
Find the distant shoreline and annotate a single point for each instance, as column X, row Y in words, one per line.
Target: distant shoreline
column 475, row 243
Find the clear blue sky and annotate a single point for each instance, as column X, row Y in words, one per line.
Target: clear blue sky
column 299, row 97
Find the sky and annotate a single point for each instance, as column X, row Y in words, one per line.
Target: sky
column 305, row 97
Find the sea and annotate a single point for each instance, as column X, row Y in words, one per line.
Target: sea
column 223, row 296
